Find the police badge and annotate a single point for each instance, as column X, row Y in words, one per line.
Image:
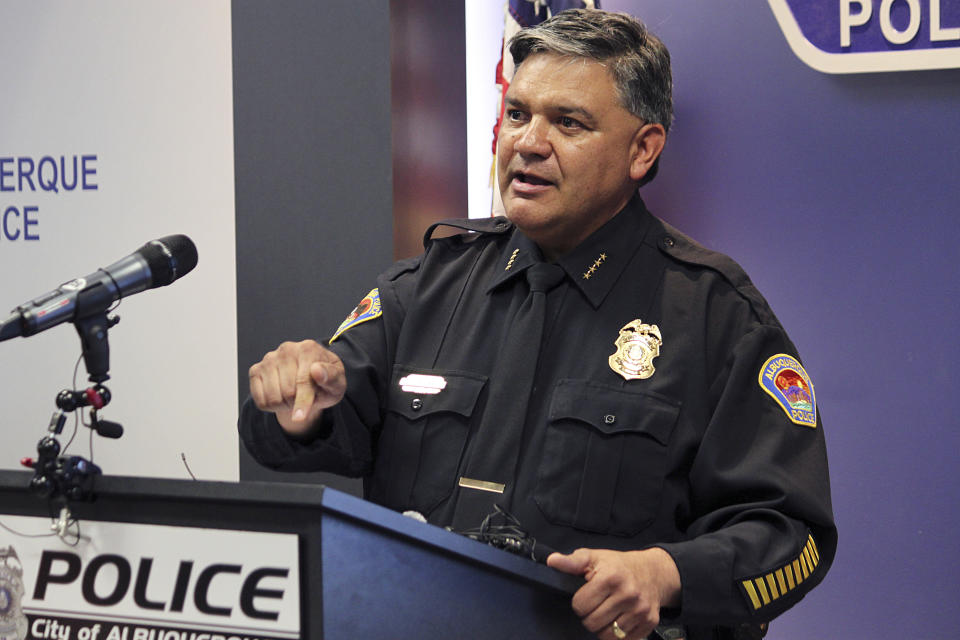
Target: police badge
column 13, row 622
column 637, row 345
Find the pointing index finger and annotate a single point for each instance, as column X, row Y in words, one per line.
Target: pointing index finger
column 306, row 390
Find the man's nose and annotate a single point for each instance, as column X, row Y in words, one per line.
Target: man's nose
column 533, row 139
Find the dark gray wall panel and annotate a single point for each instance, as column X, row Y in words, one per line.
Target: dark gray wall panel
column 313, row 173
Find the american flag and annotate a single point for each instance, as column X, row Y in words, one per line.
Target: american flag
column 519, row 14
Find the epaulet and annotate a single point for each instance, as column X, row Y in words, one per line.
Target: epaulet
column 401, row 267
column 683, row 248
column 498, row 225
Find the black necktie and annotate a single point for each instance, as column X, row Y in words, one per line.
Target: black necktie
column 490, row 469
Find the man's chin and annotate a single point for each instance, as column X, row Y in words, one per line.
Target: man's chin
column 534, row 222
column 527, row 211
column 527, row 219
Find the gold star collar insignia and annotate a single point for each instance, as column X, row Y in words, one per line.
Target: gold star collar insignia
column 513, row 257
column 593, row 268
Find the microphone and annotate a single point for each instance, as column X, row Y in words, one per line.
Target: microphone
column 155, row 264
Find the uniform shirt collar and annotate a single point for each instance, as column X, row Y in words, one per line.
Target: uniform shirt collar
column 519, row 254
column 595, row 265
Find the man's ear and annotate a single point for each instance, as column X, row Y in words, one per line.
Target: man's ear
column 647, row 145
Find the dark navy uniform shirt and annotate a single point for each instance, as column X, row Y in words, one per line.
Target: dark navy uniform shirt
column 702, row 458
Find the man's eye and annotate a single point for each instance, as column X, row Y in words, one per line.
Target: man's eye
column 514, row 115
column 569, row 123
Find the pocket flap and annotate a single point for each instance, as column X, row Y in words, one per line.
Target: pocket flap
column 614, row 410
column 416, row 393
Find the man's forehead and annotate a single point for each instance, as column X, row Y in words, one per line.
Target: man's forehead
column 567, row 83
column 549, row 63
column 551, row 72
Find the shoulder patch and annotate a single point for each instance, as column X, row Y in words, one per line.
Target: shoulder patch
column 785, row 380
column 368, row 309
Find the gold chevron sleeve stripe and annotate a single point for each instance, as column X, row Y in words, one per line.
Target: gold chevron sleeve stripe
column 762, row 590
column 781, row 582
column 772, row 585
column 814, row 557
column 752, row 594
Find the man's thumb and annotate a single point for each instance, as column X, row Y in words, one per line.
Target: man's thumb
column 320, row 373
column 575, row 563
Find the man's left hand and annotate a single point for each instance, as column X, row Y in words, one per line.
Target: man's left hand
column 626, row 587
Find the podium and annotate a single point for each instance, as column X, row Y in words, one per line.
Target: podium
column 364, row 571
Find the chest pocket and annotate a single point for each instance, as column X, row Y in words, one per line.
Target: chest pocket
column 604, row 457
column 424, row 433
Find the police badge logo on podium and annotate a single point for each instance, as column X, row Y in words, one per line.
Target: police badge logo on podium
column 13, row 622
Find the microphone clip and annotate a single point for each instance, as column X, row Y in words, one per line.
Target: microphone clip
column 95, row 344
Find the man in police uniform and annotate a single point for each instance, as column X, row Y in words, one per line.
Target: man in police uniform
column 627, row 394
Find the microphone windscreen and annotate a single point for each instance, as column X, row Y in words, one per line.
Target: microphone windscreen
column 169, row 258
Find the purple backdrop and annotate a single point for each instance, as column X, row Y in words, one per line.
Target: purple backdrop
column 838, row 195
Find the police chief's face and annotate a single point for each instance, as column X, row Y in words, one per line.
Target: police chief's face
column 569, row 154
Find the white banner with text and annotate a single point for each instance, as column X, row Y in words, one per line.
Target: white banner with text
column 117, row 581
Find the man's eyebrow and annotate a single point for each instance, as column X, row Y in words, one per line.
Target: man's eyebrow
column 580, row 111
column 514, row 102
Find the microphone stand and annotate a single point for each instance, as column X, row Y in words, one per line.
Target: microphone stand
column 58, row 478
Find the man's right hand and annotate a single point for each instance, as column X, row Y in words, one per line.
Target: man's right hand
column 297, row 382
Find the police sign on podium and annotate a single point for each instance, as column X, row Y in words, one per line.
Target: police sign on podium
column 152, row 559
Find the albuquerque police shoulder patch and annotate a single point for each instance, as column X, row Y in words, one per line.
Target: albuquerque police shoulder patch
column 368, row 309
column 785, row 380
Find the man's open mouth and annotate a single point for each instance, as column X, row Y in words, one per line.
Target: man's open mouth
column 529, row 178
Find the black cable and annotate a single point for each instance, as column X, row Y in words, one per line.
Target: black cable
column 501, row 529
column 76, row 418
column 183, row 457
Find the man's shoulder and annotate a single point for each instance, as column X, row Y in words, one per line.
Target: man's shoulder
column 687, row 252
column 475, row 228
column 681, row 248
column 447, row 237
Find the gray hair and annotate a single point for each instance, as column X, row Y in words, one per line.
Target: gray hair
column 639, row 61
